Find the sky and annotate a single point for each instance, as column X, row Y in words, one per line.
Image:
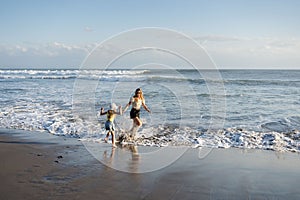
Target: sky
column 263, row 34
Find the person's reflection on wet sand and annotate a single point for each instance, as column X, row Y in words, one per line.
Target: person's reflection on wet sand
column 122, row 160
column 135, row 158
column 109, row 160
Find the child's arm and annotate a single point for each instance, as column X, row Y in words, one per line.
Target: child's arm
column 102, row 111
column 120, row 111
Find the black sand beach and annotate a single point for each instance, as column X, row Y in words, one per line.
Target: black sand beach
column 42, row 166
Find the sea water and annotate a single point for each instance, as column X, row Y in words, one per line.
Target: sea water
column 250, row 109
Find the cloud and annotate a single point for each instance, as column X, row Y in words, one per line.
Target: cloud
column 227, row 52
column 265, row 52
column 88, row 29
column 218, row 38
column 22, row 49
column 48, row 54
column 48, row 49
column 248, row 43
column 13, row 49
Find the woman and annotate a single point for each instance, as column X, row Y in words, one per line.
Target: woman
column 136, row 101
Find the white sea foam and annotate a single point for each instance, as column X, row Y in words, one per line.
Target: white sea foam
column 68, row 74
column 52, row 119
column 229, row 138
column 39, row 117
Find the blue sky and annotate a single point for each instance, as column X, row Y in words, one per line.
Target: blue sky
column 236, row 33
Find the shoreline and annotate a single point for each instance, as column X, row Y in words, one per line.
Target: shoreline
column 43, row 166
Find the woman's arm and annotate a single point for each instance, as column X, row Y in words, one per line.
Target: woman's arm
column 126, row 107
column 146, row 107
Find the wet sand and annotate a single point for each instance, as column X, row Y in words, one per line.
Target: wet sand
column 42, row 166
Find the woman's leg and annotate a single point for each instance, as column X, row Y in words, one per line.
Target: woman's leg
column 137, row 121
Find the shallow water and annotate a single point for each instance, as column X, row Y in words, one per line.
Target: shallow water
column 245, row 109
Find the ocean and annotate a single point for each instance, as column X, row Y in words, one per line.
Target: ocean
column 251, row 109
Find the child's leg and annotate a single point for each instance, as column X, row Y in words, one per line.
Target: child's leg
column 107, row 135
column 113, row 139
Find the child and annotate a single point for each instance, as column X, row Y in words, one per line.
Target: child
column 109, row 124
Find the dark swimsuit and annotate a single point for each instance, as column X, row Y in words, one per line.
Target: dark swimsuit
column 134, row 113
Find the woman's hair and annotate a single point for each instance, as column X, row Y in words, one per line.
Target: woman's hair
column 139, row 90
